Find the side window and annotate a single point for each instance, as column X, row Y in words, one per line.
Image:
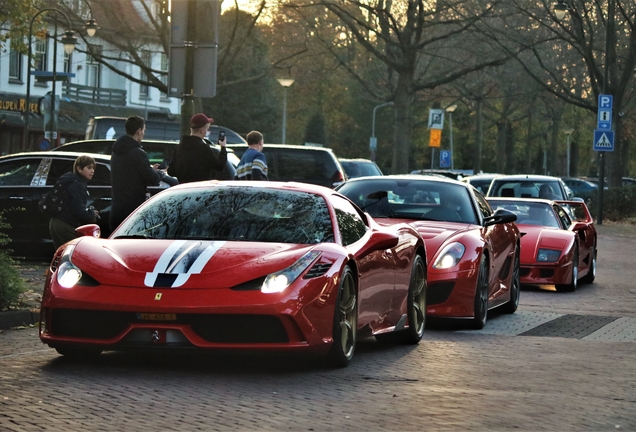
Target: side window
column 58, row 168
column 563, row 217
column 350, row 224
column 484, row 206
column 101, row 176
column 18, row 172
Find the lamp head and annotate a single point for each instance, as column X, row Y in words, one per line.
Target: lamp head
column 69, row 41
column 451, row 108
column 560, row 9
column 91, row 27
column 286, row 82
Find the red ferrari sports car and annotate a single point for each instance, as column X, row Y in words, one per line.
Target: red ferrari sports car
column 238, row 265
column 474, row 251
column 558, row 243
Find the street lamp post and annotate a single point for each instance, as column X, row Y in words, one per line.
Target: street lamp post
column 450, row 110
column 69, row 41
column 560, row 9
column 373, row 142
column 568, row 132
column 285, row 82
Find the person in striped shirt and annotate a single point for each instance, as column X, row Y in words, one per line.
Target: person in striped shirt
column 253, row 165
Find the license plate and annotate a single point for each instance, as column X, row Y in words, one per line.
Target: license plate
column 156, row 317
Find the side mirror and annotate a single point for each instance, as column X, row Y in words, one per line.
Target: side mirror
column 379, row 241
column 92, row 230
column 500, row 216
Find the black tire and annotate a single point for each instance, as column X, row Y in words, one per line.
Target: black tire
column 416, row 308
column 591, row 274
column 480, row 305
column 78, row 353
column 345, row 322
column 573, row 284
column 515, row 288
column 416, row 303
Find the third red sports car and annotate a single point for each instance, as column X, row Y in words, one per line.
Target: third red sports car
column 558, row 243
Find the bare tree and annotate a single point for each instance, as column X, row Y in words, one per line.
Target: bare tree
column 421, row 46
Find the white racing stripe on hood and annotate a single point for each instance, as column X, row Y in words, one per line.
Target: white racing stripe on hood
column 183, row 258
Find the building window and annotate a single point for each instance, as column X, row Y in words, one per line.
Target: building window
column 164, row 77
column 144, row 90
column 68, row 63
column 40, row 51
column 93, row 69
column 15, row 64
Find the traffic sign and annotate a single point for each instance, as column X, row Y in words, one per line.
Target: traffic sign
column 605, row 101
column 435, row 138
column 603, row 140
column 436, row 119
column 444, row 158
column 604, row 119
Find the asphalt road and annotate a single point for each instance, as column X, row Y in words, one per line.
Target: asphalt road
column 564, row 361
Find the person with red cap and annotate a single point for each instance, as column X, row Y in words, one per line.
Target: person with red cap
column 194, row 160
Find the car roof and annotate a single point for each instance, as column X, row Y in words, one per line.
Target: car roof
column 287, row 146
column 66, row 154
column 412, row 177
column 532, row 177
column 356, row 160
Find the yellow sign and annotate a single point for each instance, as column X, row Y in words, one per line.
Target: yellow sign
column 436, row 138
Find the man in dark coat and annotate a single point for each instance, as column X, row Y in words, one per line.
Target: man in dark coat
column 131, row 172
column 194, row 160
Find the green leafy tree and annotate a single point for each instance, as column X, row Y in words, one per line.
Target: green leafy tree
column 15, row 18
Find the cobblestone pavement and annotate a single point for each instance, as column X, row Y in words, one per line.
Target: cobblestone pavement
column 562, row 362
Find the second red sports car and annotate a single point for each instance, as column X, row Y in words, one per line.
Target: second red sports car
column 474, row 251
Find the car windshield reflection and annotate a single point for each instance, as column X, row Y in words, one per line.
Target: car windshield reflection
column 416, row 200
column 232, row 214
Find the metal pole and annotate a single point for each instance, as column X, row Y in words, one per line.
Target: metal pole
column 609, row 31
column 284, row 114
column 27, row 108
column 567, row 168
column 52, row 131
column 450, row 121
column 373, row 138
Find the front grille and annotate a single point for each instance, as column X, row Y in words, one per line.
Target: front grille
column 524, row 271
column 90, row 323
column 237, row 328
column 439, row 292
column 104, row 325
column 546, row 273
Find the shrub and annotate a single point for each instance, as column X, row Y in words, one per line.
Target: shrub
column 11, row 282
column 618, row 203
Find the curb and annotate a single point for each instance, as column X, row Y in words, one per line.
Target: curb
column 18, row 318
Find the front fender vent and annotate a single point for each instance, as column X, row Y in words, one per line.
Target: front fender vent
column 317, row 270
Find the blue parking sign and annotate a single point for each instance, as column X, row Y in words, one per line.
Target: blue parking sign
column 444, row 159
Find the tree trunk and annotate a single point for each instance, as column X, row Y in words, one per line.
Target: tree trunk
column 402, row 129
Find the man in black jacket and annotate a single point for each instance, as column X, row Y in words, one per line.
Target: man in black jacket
column 131, row 172
column 193, row 159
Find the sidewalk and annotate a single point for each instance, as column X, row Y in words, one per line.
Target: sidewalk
column 28, row 310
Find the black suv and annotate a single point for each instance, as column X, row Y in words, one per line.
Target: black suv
column 305, row 164
column 158, row 152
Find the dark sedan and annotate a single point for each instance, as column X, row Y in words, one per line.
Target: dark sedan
column 25, row 177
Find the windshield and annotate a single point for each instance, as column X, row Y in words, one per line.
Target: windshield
column 412, row 199
column 234, row 213
column 529, row 212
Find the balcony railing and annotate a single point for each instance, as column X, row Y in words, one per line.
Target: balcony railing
column 101, row 96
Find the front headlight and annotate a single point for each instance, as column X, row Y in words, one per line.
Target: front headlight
column 450, row 256
column 548, row 255
column 277, row 282
column 67, row 273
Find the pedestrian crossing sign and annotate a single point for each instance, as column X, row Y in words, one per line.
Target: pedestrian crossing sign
column 603, row 140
